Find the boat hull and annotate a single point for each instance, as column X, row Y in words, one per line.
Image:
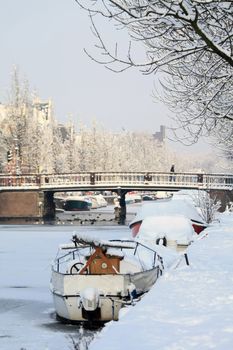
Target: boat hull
column 76, row 205
column 68, row 308
column 114, row 293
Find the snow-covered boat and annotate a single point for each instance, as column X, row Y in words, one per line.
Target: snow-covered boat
column 133, row 198
column 93, row 279
column 172, row 231
column 95, row 200
column 168, row 207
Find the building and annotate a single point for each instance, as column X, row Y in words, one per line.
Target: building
column 160, row 135
column 27, row 131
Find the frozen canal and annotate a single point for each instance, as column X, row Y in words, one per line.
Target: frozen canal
column 27, row 320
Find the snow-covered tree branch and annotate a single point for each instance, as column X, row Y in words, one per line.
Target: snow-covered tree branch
column 189, row 42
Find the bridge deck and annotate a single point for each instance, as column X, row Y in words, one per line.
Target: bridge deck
column 153, row 181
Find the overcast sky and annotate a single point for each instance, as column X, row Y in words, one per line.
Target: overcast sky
column 45, row 39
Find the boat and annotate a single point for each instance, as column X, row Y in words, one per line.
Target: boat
column 173, row 231
column 148, row 197
column 101, row 200
column 93, row 279
column 132, row 197
column 93, row 204
column 168, row 206
column 59, row 203
column 76, row 203
column 163, row 195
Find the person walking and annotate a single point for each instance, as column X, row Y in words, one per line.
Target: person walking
column 172, row 170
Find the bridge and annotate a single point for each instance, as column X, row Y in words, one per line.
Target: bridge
column 101, row 181
column 38, row 189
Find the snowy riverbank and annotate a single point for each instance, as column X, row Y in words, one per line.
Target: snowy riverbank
column 188, row 308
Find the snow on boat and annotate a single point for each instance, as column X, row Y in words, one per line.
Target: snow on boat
column 173, row 231
column 168, row 207
column 93, row 279
column 132, row 198
column 101, row 200
column 95, row 200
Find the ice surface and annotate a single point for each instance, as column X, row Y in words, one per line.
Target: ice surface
column 27, row 319
column 190, row 307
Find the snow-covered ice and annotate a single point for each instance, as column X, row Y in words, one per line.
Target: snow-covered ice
column 26, row 308
column 190, row 307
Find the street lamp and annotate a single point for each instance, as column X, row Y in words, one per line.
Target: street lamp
column 17, row 157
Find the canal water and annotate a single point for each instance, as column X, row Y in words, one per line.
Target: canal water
column 27, row 315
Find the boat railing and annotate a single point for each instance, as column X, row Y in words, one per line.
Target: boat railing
column 71, row 255
column 79, row 253
column 157, row 259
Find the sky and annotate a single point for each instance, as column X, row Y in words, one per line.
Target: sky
column 46, row 40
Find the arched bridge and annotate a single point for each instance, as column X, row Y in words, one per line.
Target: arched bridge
column 31, row 197
column 128, row 181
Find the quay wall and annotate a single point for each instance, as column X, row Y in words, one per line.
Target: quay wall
column 20, row 204
column 26, row 206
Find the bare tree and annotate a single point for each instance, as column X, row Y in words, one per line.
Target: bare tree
column 189, row 42
column 208, row 207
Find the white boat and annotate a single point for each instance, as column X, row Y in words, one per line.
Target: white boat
column 101, row 200
column 93, row 279
column 92, row 201
column 165, row 207
column 172, row 231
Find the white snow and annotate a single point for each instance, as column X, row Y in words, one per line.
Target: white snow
column 177, row 205
column 173, row 227
column 139, row 255
column 190, row 307
column 27, row 320
column 97, row 242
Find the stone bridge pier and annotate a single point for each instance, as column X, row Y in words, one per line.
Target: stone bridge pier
column 122, row 217
column 26, row 206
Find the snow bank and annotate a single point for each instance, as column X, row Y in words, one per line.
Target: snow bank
column 189, row 307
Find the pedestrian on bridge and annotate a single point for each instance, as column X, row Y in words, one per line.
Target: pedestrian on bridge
column 172, row 171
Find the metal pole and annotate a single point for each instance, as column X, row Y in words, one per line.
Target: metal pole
column 17, row 157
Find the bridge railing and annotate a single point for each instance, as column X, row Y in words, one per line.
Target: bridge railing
column 19, row 180
column 156, row 179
